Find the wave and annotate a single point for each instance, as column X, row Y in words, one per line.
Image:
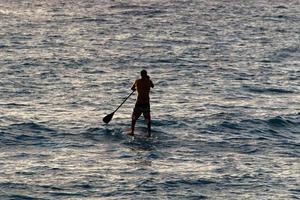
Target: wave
column 13, row 105
column 268, row 90
column 17, row 194
column 280, row 122
column 107, row 134
column 31, row 126
column 27, row 133
column 251, row 136
column 189, row 182
column 24, row 197
column 277, row 122
column 288, row 53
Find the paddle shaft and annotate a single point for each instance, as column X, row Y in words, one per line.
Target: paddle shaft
column 124, row 101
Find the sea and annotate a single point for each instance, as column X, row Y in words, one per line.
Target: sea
column 225, row 107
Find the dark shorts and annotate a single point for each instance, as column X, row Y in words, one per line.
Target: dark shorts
column 139, row 109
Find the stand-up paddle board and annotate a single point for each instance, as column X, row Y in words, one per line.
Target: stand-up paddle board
column 138, row 132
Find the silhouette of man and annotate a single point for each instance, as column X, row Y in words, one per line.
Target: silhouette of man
column 142, row 104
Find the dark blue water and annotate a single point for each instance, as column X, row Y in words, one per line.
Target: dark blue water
column 225, row 106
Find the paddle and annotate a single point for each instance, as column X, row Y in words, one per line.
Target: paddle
column 107, row 118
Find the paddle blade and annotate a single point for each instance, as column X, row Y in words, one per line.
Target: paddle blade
column 107, row 118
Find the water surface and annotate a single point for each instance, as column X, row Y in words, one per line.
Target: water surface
column 225, row 107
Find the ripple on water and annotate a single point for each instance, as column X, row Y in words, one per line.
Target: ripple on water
column 223, row 105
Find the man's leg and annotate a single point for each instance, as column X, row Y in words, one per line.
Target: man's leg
column 135, row 116
column 149, row 128
column 147, row 117
column 132, row 127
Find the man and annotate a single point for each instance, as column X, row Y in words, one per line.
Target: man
column 142, row 104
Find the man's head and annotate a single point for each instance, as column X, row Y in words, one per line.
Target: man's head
column 144, row 74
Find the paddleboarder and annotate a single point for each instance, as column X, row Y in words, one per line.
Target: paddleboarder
column 142, row 105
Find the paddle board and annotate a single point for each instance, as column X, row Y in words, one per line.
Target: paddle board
column 138, row 132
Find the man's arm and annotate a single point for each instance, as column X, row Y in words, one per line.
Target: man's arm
column 133, row 87
column 151, row 84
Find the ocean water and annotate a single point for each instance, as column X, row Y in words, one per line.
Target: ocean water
column 225, row 106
